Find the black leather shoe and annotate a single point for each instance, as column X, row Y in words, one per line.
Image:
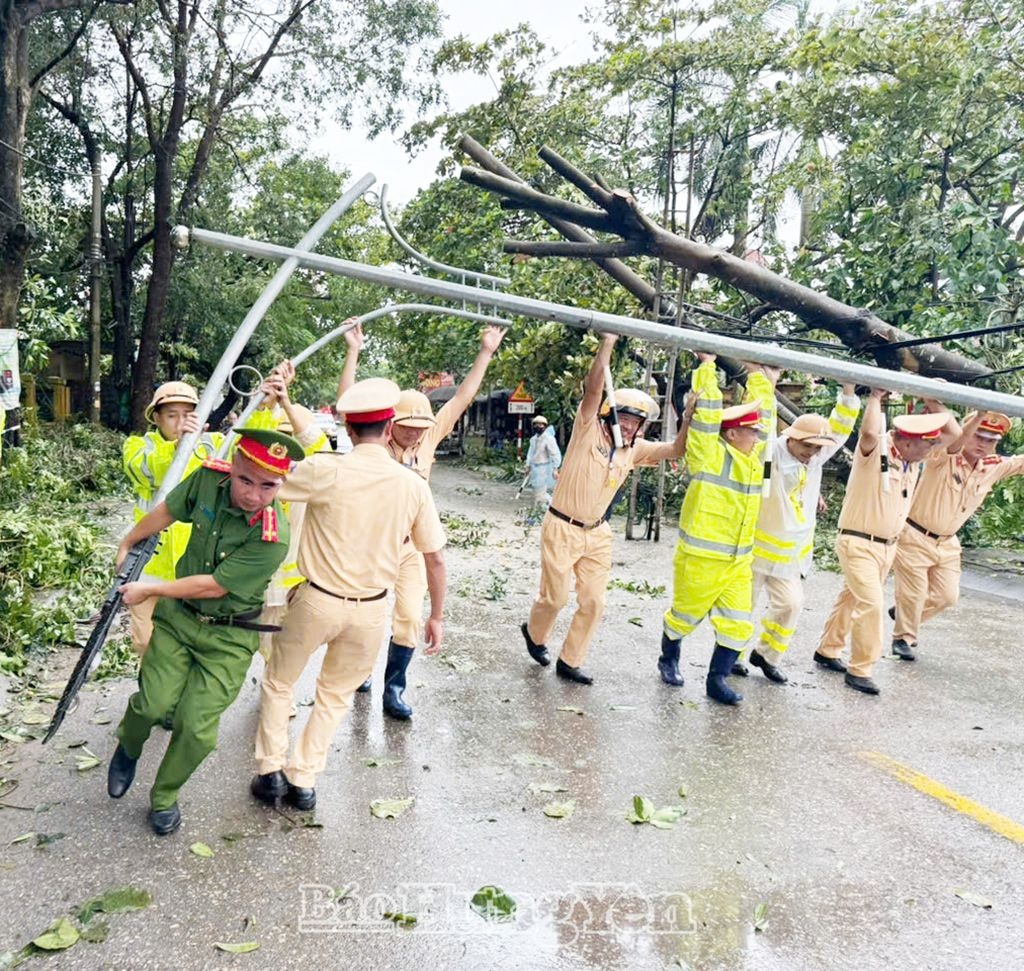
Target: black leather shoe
column 892, row 612
column 120, row 773
column 771, row 672
column 269, row 787
column 903, row 650
column 165, row 821
column 365, row 687
column 832, row 663
column 538, row 652
column 300, row 797
column 862, row 684
column 740, row 670
column 563, row 670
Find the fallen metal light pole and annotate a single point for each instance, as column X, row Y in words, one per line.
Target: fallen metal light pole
column 899, row 381
column 245, row 330
column 399, row 308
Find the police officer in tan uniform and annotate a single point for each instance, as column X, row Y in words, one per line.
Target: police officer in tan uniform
column 879, row 492
column 575, row 538
column 415, row 435
column 953, row 486
column 360, row 510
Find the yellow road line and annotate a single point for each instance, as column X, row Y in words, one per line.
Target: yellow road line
column 994, row 821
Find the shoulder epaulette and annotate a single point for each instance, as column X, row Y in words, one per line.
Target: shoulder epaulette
column 217, row 465
column 269, row 534
column 992, row 460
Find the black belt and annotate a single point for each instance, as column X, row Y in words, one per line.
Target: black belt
column 244, row 621
column 338, row 596
column 874, row 539
column 927, row 532
column 573, row 522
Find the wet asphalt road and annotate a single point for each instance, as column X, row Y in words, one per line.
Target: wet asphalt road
column 855, row 868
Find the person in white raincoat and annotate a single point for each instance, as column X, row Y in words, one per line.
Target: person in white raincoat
column 543, row 458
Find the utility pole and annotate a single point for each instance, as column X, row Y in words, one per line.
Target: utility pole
column 95, row 276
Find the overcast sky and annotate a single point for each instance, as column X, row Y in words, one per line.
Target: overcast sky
column 556, row 22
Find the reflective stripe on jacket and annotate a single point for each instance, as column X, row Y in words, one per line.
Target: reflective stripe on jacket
column 720, row 508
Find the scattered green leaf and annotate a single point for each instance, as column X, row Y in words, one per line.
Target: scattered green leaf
column 390, row 808
column 96, row 933
column 492, row 903
column 546, row 788
column 115, row 901
column 380, row 763
column 59, row 936
column 44, row 839
column 572, row 710
column 87, row 760
column 974, row 898
column 243, row 948
column 24, row 838
column 760, row 917
column 35, row 718
column 201, row 849
column 560, row 810
column 407, row 921
column 622, row 707
column 636, row 621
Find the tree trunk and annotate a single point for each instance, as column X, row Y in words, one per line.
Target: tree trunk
column 16, row 235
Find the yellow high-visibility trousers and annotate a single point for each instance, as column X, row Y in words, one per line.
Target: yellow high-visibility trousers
column 927, row 575
column 859, row 610
column 778, row 622
column 567, row 550
column 721, row 589
column 354, row 632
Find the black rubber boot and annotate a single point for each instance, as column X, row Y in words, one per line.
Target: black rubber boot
column 668, row 663
column 364, row 687
column 538, row 652
column 120, row 773
column 269, row 787
column 165, row 821
column 394, row 681
column 721, row 665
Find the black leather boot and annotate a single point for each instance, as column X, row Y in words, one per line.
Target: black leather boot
column 771, row 672
column 721, row 665
column 668, row 663
column 165, row 821
column 300, row 797
column 120, row 773
column 269, row 787
column 394, row 681
column 538, row 652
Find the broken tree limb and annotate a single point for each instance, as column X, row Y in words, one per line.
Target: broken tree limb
column 857, row 328
column 627, row 278
column 575, row 250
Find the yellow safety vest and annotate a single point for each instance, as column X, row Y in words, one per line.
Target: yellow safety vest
column 719, row 513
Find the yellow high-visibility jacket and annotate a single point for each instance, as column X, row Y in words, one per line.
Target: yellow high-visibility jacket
column 146, row 459
column 784, row 539
column 719, row 513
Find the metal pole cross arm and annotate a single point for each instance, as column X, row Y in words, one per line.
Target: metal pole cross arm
column 333, row 335
column 847, row 371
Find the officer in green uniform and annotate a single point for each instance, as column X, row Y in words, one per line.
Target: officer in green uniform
column 205, row 628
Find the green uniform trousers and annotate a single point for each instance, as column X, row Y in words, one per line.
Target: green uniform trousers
column 196, row 671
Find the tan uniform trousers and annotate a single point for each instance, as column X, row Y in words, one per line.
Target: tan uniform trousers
column 353, row 633
column 565, row 550
column 927, row 574
column 141, row 623
column 410, row 593
column 778, row 622
column 860, row 608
